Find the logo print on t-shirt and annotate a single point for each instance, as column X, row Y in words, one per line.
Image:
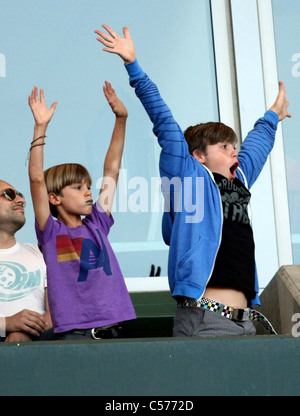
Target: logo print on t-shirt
column 235, row 201
column 16, row 281
column 68, row 249
column 91, row 256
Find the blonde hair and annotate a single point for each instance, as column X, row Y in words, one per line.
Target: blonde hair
column 60, row 176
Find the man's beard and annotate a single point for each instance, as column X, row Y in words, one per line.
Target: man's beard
column 19, row 223
column 13, row 225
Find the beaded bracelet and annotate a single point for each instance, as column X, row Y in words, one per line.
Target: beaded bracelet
column 34, row 145
column 35, row 140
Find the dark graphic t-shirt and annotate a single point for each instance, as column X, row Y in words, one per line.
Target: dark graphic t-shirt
column 235, row 264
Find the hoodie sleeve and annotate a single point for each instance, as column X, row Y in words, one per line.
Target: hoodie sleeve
column 257, row 146
column 175, row 152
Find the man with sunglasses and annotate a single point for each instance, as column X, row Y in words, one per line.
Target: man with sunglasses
column 24, row 310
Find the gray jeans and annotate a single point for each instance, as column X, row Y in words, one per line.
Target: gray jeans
column 199, row 322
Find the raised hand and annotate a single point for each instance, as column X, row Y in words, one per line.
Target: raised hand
column 281, row 104
column 41, row 113
column 124, row 47
column 113, row 159
column 114, row 101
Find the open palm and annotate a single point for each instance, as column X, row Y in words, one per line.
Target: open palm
column 41, row 113
column 124, row 47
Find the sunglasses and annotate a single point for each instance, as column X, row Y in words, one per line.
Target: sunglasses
column 10, row 194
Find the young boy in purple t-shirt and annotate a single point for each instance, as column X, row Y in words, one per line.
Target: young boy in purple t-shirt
column 87, row 291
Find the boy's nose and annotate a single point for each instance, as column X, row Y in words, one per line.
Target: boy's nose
column 235, row 153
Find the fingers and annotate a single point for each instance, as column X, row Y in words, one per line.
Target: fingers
column 115, row 103
column 105, row 39
column 105, row 36
column 34, row 324
column 42, row 96
column 18, row 337
column 108, row 43
column 126, row 33
column 110, row 31
column 53, row 106
column 30, row 322
column 33, row 96
column 41, row 113
column 108, row 40
column 108, row 89
column 283, row 95
column 109, row 92
column 281, row 104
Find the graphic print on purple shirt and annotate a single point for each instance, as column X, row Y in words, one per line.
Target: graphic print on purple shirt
column 86, row 287
column 90, row 255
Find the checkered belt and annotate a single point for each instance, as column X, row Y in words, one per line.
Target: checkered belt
column 228, row 312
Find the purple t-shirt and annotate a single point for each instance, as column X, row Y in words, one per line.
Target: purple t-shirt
column 86, row 288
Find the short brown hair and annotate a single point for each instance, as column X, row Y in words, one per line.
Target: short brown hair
column 200, row 136
column 60, row 176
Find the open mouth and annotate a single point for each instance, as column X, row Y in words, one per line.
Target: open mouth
column 234, row 168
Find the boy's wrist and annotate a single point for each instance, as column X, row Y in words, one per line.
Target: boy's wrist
column 130, row 60
column 40, row 129
column 122, row 117
column 41, row 126
column 273, row 113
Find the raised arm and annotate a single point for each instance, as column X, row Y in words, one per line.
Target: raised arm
column 114, row 154
column 280, row 107
column 42, row 116
column 175, row 153
column 260, row 141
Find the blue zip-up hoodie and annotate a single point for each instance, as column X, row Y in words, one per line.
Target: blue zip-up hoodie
column 194, row 240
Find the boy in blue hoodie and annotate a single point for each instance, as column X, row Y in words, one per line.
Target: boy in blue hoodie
column 215, row 289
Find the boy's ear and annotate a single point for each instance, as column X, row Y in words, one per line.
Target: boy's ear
column 199, row 156
column 54, row 199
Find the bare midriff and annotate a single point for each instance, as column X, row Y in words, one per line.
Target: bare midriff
column 228, row 297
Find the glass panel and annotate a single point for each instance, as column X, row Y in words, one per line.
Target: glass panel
column 286, row 21
column 52, row 45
